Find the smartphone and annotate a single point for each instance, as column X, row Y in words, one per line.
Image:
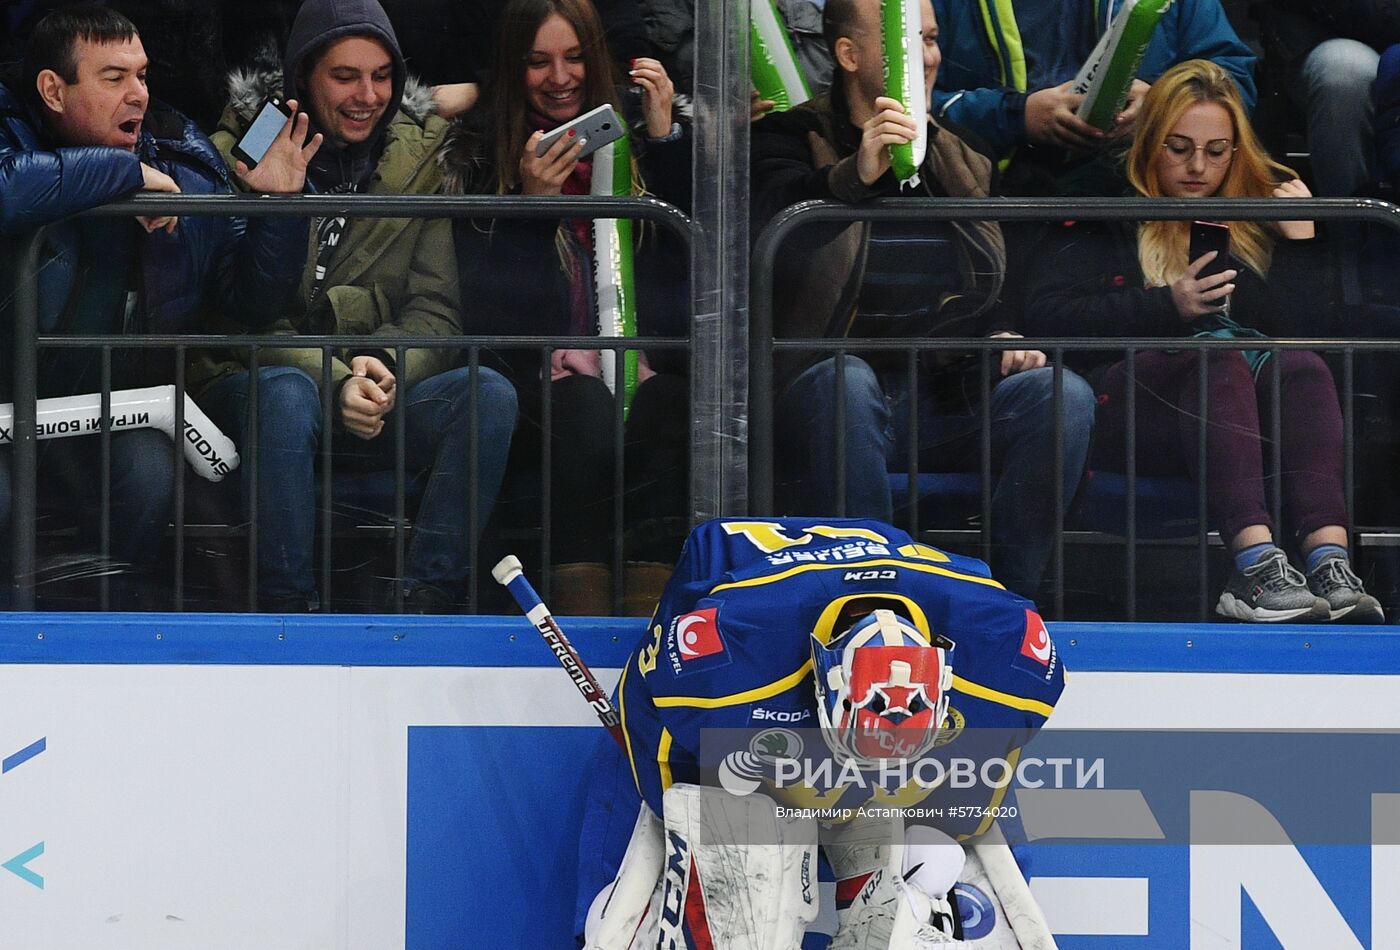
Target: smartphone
column 272, row 115
column 1209, row 236
column 598, row 127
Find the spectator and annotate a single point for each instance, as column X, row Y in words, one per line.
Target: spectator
column 857, row 281
column 79, row 130
column 1014, row 90
column 375, row 277
column 533, row 277
column 1328, row 54
column 1195, row 142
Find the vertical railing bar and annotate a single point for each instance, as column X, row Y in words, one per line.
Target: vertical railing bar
column 474, row 513
column 619, row 480
column 401, row 385
column 838, row 424
column 1130, row 467
column 1058, row 406
column 984, row 462
column 1276, row 434
column 1202, row 462
column 179, row 501
column 24, row 497
column 250, row 447
column 1349, row 438
column 104, row 468
column 327, row 482
column 546, row 459
column 912, row 435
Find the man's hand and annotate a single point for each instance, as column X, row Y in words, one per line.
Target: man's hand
column 1125, row 122
column 282, row 170
column 1018, row 361
column 366, row 397
column 1294, row 230
column 1050, row 119
column 153, row 179
column 545, row 174
column 1197, row 296
column 758, row 106
column 890, row 125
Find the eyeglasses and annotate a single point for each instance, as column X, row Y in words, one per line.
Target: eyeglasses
column 1179, row 150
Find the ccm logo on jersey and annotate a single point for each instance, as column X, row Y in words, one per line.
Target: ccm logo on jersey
column 695, row 637
column 1037, row 648
column 870, row 576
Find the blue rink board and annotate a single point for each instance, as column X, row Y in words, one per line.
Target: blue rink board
column 493, row 813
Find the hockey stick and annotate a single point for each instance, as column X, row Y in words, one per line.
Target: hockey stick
column 509, row 574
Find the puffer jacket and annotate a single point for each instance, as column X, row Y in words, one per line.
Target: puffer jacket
column 390, row 276
column 242, row 269
column 989, row 67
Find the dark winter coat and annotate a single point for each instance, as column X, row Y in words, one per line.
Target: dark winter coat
column 808, row 153
column 511, row 270
column 1085, row 281
column 244, row 269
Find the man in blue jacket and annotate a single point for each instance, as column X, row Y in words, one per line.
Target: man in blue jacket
column 1007, row 69
column 78, row 130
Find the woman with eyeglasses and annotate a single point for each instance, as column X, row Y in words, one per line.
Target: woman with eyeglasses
column 1194, row 141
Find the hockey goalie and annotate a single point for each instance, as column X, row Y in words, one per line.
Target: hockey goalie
column 893, row 655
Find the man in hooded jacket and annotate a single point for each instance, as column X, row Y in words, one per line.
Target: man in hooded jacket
column 373, row 277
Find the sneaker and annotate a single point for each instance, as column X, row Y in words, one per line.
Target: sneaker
column 1334, row 581
column 1270, row 591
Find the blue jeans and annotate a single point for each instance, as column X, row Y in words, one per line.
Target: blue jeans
column 877, row 410
column 436, row 442
column 1334, row 87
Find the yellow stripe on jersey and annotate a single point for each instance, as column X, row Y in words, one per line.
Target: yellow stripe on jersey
column 826, row 623
column 851, row 565
column 735, row 699
column 1004, row 699
column 998, row 796
column 627, row 736
column 663, row 758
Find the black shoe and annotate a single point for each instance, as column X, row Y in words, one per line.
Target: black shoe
column 426, row 599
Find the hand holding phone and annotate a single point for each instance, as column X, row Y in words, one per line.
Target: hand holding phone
column 596, row 128
column 272, row 156
column 262, row 131
column 1207, row 236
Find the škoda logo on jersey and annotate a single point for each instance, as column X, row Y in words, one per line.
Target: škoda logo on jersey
column 694, row 642
column 1036, row 648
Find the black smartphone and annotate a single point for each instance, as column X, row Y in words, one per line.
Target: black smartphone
column 599, row 127
column 1209, row 236
column 272, row 115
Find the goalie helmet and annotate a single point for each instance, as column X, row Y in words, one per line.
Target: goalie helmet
column 882, row 689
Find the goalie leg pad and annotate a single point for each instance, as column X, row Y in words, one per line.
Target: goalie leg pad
column 619, row 917
column 735, row 875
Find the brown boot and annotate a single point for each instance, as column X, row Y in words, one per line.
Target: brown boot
column 643, row 582
column 580, row 590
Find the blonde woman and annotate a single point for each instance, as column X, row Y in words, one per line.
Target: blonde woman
column 1194, row 141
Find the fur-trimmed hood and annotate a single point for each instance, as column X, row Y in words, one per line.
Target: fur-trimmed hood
column 247, row 88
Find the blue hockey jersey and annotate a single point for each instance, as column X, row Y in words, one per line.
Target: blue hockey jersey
column 729, row 644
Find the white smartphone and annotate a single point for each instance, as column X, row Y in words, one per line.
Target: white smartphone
column 597, row 128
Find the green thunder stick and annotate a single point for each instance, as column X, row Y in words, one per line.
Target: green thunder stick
column 1107, row 75
column 902, row 31
column 614, row 286
column 773, row 66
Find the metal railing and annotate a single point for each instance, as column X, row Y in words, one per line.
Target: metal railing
column 764, row 346
column 27, row 343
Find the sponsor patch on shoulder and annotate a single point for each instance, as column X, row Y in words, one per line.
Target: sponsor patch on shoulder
column 694, row 643
column 1037, row 655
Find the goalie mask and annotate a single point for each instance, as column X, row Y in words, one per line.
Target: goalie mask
column 882, row 690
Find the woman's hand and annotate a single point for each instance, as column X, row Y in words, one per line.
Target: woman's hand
column 1197, row 296
column 545, row 174
column 658, row 95
column 1018, row 361
column 1294, row 230
column 565, row 363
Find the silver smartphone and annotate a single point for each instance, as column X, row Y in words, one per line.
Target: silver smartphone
column 597, row 128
